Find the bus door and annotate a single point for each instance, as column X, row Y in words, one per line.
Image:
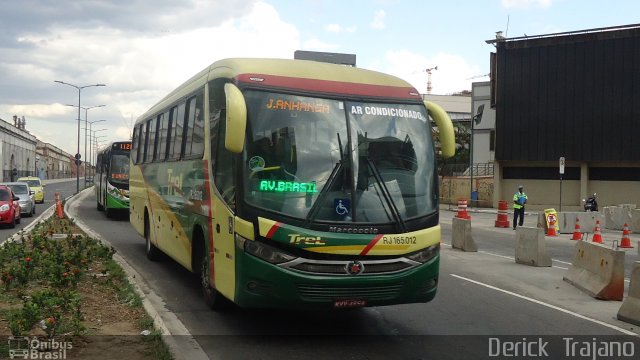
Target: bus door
column 222, row 239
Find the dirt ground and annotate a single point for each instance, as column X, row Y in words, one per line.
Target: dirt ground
column 112, row 327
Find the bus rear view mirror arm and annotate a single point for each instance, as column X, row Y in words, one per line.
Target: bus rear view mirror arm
column 445, row 128
column 236, row 118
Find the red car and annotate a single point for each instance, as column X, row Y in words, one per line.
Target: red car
column 9, row 207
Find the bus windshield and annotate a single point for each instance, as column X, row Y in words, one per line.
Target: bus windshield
column 331, row 160
column 119, row 171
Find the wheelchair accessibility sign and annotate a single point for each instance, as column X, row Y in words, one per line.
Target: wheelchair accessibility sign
column 342, row 207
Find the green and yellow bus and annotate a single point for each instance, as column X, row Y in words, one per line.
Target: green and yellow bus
column 293, row 184
column 111, row 180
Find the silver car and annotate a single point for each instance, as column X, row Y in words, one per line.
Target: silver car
column 27, row 202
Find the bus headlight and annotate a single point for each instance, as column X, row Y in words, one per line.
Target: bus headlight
column 263, row 251
column 425, row 254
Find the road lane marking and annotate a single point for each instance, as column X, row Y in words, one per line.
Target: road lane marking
column 624, row 331
column 514, row 259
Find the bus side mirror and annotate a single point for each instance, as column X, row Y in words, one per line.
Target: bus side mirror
column 236, row 120
column 445, row 128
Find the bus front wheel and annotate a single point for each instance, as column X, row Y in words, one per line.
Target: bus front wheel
column 153, row 253
column 212, row 297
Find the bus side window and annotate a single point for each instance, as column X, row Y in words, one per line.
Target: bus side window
column 143, row 142
column 151, row 140
column 188, row 128
column 224, row 169
column 197, row 141
column 178, row 125
column 173, row 113
column 161, row 137
column 134, row 146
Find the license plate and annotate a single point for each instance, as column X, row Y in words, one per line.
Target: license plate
column 349, row 303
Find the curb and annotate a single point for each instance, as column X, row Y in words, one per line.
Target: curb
column 181, row 343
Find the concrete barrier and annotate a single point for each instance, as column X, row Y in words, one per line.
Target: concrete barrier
column 597, row 270
column 616, row 216
column 530, row 247
column 630, row 309
column 461, row 235
column 567, row 221
column 635, row 221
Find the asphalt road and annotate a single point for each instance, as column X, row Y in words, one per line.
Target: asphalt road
column 481, row 296
column 65, row 188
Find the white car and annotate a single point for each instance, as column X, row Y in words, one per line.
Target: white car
column 26, row 195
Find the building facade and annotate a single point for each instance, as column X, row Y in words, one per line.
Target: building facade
column 54, row 163
column 570, row 95
column 17, row 150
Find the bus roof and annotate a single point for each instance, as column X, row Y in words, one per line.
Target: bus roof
column 110, row 144
column 304, row 75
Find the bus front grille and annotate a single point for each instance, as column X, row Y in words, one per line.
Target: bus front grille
column 318, row 292
column 340, row 268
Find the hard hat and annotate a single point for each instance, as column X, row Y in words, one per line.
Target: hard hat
column 520, row 186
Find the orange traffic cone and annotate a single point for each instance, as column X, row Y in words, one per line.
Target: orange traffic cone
column 552, row 227
column 462, row 210
column 577, row 235
column 597, row 236
column 626, row 241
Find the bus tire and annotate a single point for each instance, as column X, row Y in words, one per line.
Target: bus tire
column 212, row 297
column 108, row 212
column 153, row 253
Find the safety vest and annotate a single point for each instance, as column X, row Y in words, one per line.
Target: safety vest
column 519, row 199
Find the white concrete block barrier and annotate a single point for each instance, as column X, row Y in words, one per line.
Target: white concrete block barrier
column 597, row 270
column 630, row 309
column 461, row 235
column 530, row 247
column 635, row 221
column 587, row 221
column 616, row 216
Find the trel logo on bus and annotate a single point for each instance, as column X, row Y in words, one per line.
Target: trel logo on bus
column 354, row 268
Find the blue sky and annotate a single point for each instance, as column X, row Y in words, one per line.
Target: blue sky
column 143, row 49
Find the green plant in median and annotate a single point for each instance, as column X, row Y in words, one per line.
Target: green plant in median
column 44, row 273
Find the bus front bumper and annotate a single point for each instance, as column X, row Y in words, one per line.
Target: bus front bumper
column 264, row 285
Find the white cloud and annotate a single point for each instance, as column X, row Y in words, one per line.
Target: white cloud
column 337, row 28
column 525, row 4
column 452, row 75
column 139, row 68
column 334, row 28
column 378, row 20
column 318, row 45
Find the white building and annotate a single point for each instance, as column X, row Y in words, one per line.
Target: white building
column 17, row 150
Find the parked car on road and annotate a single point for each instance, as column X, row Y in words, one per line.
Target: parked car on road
column 9, row 207
column 36, row 185
column 26, row 195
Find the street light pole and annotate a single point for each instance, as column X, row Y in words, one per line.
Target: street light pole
column 92, row 134
column 86, row 117
column 79, row 88
column 97, row 145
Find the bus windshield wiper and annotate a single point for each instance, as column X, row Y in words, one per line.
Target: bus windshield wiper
column 387, row 195
column 315, row 208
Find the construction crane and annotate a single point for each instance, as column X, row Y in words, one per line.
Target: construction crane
column 428, row 71
column 478, row 76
